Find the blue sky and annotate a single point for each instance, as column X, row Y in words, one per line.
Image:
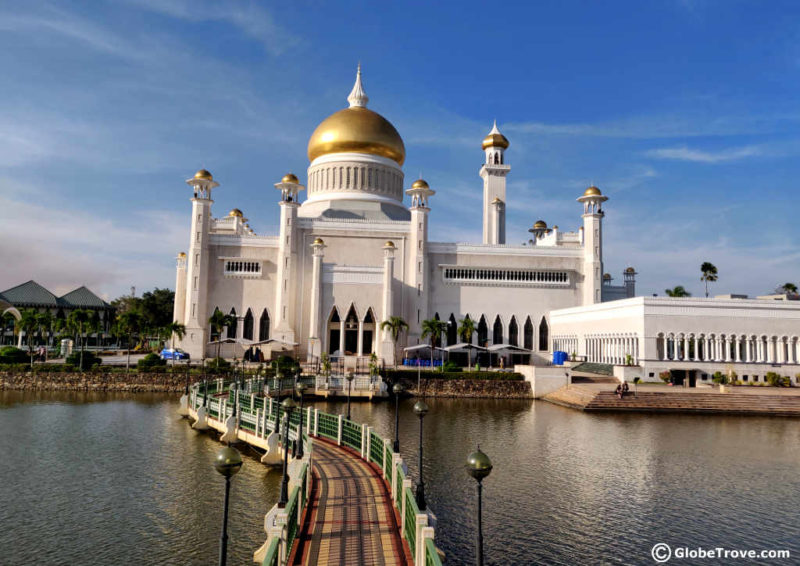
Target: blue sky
column 685, row 113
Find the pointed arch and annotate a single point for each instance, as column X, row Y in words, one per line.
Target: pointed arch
column 513, row 332
column 247, row 330
column 543, row 336
column 263, row 326
column 527, row 334
column 350, row 328
column 369, row 317
column 483, row 331
column 334, row 316
column 497, row 331
column 334, row 330
column 452, row 330
column 369, row 333
column 230, row 331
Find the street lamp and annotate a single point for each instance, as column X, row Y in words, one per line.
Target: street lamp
column 301, row 388
column 288, row 405
column 349, row 378
column 227, row 463
column 397, row 390
column 421, row 409
column 479, row 466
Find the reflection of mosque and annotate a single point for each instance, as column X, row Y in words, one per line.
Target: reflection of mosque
column 353, row 254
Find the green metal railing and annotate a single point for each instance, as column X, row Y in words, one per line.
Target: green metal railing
column 328, row 426
column 351, row 435
column 431, row 556
column 271, row 558
column 375, row 449
column 411, row 518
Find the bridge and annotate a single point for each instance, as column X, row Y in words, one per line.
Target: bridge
column 350, row 498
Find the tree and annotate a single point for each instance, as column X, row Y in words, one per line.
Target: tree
column 79, row 319
column 28, row 323
column 129, row 323
column 45, row 322
column 175, row 329
column 395, row 325
column 788, row 289
column 466, row 328
column 433, row 328
column 709, row 271
column 218, row 321
column 677, row 291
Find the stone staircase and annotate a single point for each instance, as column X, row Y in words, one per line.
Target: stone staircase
column 677, row 402
column 591, row 367
column 574, row 397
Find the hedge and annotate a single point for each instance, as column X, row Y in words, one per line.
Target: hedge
column 393, row 375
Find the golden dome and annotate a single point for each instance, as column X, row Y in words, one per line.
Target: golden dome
column 420, row 184
column 592, row 192
column 606, row 276
column 497, row 200
column 236, row 212
column 182, row 254
column 630, row 270
column 495, row 140
column 290, row 178
column 540, row 225
column 204, row 174
column 358, row 130
column 388, row 244
column 318, row 242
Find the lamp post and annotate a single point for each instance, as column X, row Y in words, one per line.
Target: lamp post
column 301, row 388
column 397, row 390
column 288, row 405
column 479, row 466
column 421, row 409
column 227, row 463
column 349, row 378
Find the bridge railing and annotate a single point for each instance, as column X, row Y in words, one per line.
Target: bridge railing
column 258, row 417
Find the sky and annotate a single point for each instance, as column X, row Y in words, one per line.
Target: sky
column 684, row 112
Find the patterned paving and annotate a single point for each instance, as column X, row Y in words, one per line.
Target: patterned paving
column 350, row 519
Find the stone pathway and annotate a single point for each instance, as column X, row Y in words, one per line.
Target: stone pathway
column 350, row 518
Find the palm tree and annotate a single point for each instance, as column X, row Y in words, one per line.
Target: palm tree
column 395, row 325
column 466, row 328
column 28, row 323
column 789, row 288
column 218, row 321
column 45, row 320
column 128, row 324
column 433, row 328
column 79, row 318
column 709, row 274
column 678, row 291
column 175, row 329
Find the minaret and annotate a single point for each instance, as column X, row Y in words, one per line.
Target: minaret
column 592, row 244
column 387, row 311
column 179, row 308
column 417, row 267
column 493, row 172
column 287, row 258
column 314, row 331
column 629, row 277
column 196, row 306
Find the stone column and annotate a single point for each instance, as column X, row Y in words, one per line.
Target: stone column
column 685, row 356
column 388, row 352
column 770, row 350
column 360, row 350
column 665, row 351
column 737, row 342
column 314, row 331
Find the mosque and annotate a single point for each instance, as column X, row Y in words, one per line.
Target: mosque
column 355, row 252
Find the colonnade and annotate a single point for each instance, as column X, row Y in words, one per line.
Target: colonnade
column 612, row 349
column 565, row 343
column 728, row 348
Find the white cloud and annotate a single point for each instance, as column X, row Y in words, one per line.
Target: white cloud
column 698, row 156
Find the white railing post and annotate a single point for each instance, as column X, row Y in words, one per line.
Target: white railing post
column 396, row 459
column 316, row 422
column 383, row 459
column 339, row 432
column 258, row 421
column 406, row 485
column 365, row 442
column 427, row 533
column 419, row 552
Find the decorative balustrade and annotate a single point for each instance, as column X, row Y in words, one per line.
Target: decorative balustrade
column 256, row 418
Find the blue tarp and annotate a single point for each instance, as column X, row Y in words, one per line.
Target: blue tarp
column 559, row 358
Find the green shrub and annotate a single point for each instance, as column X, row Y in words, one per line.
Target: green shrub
column 12, row 355
column 665, row 376
column 777, row 380
column 450, row 367
column 150, row 361
column 219, row 364
column 89, row 359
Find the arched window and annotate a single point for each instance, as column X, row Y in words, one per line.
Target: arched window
column 247, row 331
column 452, row 330
column 543, row 335
column 263, row 326
column 497, row 331
column 527, row 339
column 483, row 332
column 215, row 332
column 231, row 331
column 513, row 332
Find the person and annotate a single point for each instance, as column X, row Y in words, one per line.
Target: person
column 625, row 389
column 618, row 391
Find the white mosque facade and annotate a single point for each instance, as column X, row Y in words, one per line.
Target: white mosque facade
column 356, row 251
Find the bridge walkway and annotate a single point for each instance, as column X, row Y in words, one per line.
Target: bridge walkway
column 351, row 519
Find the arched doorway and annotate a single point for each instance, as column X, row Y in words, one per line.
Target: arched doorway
column 497, row 331
column 334, row 331
column 543, row 336
column 368, row 338
column 351, row 332
column 247, row 330
column 231, row 330
column 452, row 330
column 527, row 338
column 513, row 332
column 263, row 326
column 483, row 331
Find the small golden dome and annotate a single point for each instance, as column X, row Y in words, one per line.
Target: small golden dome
column 290, row 178
column 236, row 212
column 204, row 174
column 420, row 184
column 497, row 200
column 388, row 244
column 495, row 140
column 630, row 270
column 318, row 242
column 182, row 254
column 606, row 276
column 357, row 130
column 540, row 225
column 592, row 192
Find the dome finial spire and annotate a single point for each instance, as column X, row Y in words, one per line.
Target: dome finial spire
column 494, row 128
column 358, row 98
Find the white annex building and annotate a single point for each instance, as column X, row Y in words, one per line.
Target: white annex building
column 355, row 251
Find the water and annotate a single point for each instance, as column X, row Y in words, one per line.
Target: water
column 104, row 478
